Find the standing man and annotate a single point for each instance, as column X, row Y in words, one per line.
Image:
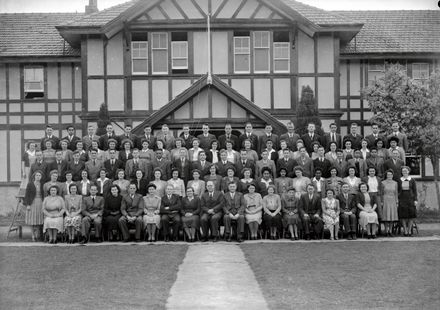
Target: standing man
column 202, row 165
column 94, row 165
column 49, row 136
column 212, row 203
column 164, row 164
column 310, row 212
column 244, row 162
column 128, row 135
column 137, row 163
column 132, row 208
column 290, row 136
column 322, row 162
column 228, row 136
column 61, row 165
column 286, row 162
column 205, row 138
column 91, row 136
column 76, row 166
column 310, row 137
column 112, row 164
column 166, row 136
column 93, row 208
column 103, row 140
column 249, row 135
column 170, row 213
column 71, row 138
column 354, row 137
column 374, row 136
column 305, row 162
column 332, row 136
column 403, row 139
column 183, row 165
column 147, row 136
column 234, row 206
column 186, row 136
column 39, row 164
column 268, row 135
column 394, row 163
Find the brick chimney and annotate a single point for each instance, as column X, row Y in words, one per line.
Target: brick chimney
column 92, row 7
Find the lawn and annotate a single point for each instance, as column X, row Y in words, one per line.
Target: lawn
column 98, row 277
column 348, row 275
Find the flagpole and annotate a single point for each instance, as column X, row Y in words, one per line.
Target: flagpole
column 209, row 79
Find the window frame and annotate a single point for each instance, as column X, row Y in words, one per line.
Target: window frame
column 173, row 43
column 26, row 81
column 382, row 70
column 256, row 48
column 419, row 78
column 248, row 38
column 139, row 58
column 279, row 58
column 159, row 49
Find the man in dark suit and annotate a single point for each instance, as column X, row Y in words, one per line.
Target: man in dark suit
column 268, row 135
column 92, row 210
column 374, row 136
column 332, row 136
column 322, row 162
column 340, row 164
column 128, row 135
column 164, row 164
column 167, row 137
column 228, row 136
column 94, row 165
column 347, row 215
column 223, row 164
column 359, row 163
column 205, row 138
column 147, row 136
column 183, row 165
column 103, row 140
column 91, row 136
column 39, row 164
column 305, row 162
column 310, row 212
column 286, row 162
column 212, row 206
column 244, row 162
column 136, row 163
column 249, row 135
column 395, row 164
column 403, row 139
column 354, row 137
column 71, row 138
column 290, row 136
column 186, row 136
column 49, row 136
column 310, row 137
column 76, row 166
column 233, row 209
column 202, row 165
column 375, row 161
column 132, row 208
column 61, row 165
column 170, row 213
column 112, row 164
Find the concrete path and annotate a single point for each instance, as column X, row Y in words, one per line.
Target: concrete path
column 215, row 276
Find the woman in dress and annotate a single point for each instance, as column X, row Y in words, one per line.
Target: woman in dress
column 53, row 210
column 49, row 153
column 53, row 182
column 72, row 220
column 272, row 211
column 290, row 209
column 374, row 188
column 348, row 152
column 151, row 212
column 282, row 183
column 193, row 153
column 161, row 185
column 251, row 154
column 229, row 178
column 33, row 200
column 141, row 183
column 334, row 181
column 390, row 192
column 27, row 160
column 331, row 155
column 300, row 182
column 160, row 146
column 190, row 211
column 246, row 180
column 112, row 211
column 265, row 181
column 146, row 153
column 121, row 182
column 84, row 184
column 407, row 201
column 82, row 153
column 126, row 152
column 352, row 180
column 67, row 154
column 231, row 155
column 367, row 205
column 177, row 183
column 330, row 213
column 253, row 210
column 314, row 154
column 197, row 184
column 213, row 155
column 179, row 145
column 214, row 177
column 103, row 183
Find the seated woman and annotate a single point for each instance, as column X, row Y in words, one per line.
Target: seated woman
column 282, row 183
column 272, row 211
column 53, row 210
column 367, row 205
column 334, row 182
column 330, row 213
column 151, row 212
column 300, row 182
column 254, row 206
column 177, row 183
column 112, row 211
column 352, row 180
column 72, row 220
column 161, row 185
column 290, row 209
column 197, row 184
column 190, row 211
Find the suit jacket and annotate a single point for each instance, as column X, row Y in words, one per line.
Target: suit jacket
column 372, row 140
column 61, row 168
column 111, row 170
column 327, row 140
column 401, row 153
column 323, row 183
column 188, row 141
column 103, row 141
column 132, row 207
column 289, row 165
column 362, row 171
column 376, row 162
column 308, row 141
column 225, row 183
column 89, row 207
column 291, row 141
column 87, row 142
column 403, row 140
column 222, row 168
column 203, row 170
column 184, row 169
column 44, row 167
column 170, row 206
column 248, row 164
column 124, row 157
column 76, row 170
column 31, row 192
column 55, row 142
column 165, row 165
column 132, row 137
column 356, row 141
column 169, row 142
column 222, row 142
column 396, row 167
column 215, row 203
column 341, row 167
column 151, row 141
column 260, row 165
column 80, row 191
column 141, row 186
column 93, row 169
column 310, row 207
column 72, row 143
column 130, row 169
column 234, row 205
column 205, row 142
column 324, row 165
column 306, row 165
column 106, row 186
column 253, row 138
column 263, row 139
column 347, row 205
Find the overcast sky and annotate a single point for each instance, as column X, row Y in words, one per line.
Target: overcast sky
column 20, row 6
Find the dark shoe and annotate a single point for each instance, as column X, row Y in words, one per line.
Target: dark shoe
column 307, row 237
column 239, row 240
column 138, row 240
column 98, row 240
column 126, row 240
column 292, row 238
column 213, row 240
column 205, row 239
column 373, row 236
column 83, row 241
column 349, row 237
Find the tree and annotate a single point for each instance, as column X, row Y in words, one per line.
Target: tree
column 103, row 119
column 416, row 106
column 307, row 112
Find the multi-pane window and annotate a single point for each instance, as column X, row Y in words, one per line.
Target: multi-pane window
column 281, row 52
column 159, row 53
column 139, row 53
column 261, row 51
column 33, row 82
column 179, row 51
column 420, row 71
column 242, row 51
column 376, row 70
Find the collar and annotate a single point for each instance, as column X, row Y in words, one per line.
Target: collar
column 406, row 179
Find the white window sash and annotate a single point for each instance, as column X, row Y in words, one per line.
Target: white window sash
column 138, row 57
column 242, row 51
column 281, row 45
column 174, row 46
column 159, row 48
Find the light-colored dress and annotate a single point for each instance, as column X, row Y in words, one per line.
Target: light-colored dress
column 35, row 215
column 366, row 218
column 354, row 184
column 199, row 187
column 123, row 185
column 253, row 202
column 179, row 186
column 300, row 185
column 331, row 215
column 390, row 200
column 151, row 204
column 161, row 185
column 53, row 205
column 73, row 204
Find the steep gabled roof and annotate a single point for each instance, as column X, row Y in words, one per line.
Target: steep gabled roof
column 34, row 34
column 394, row 32
column 223, row 88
